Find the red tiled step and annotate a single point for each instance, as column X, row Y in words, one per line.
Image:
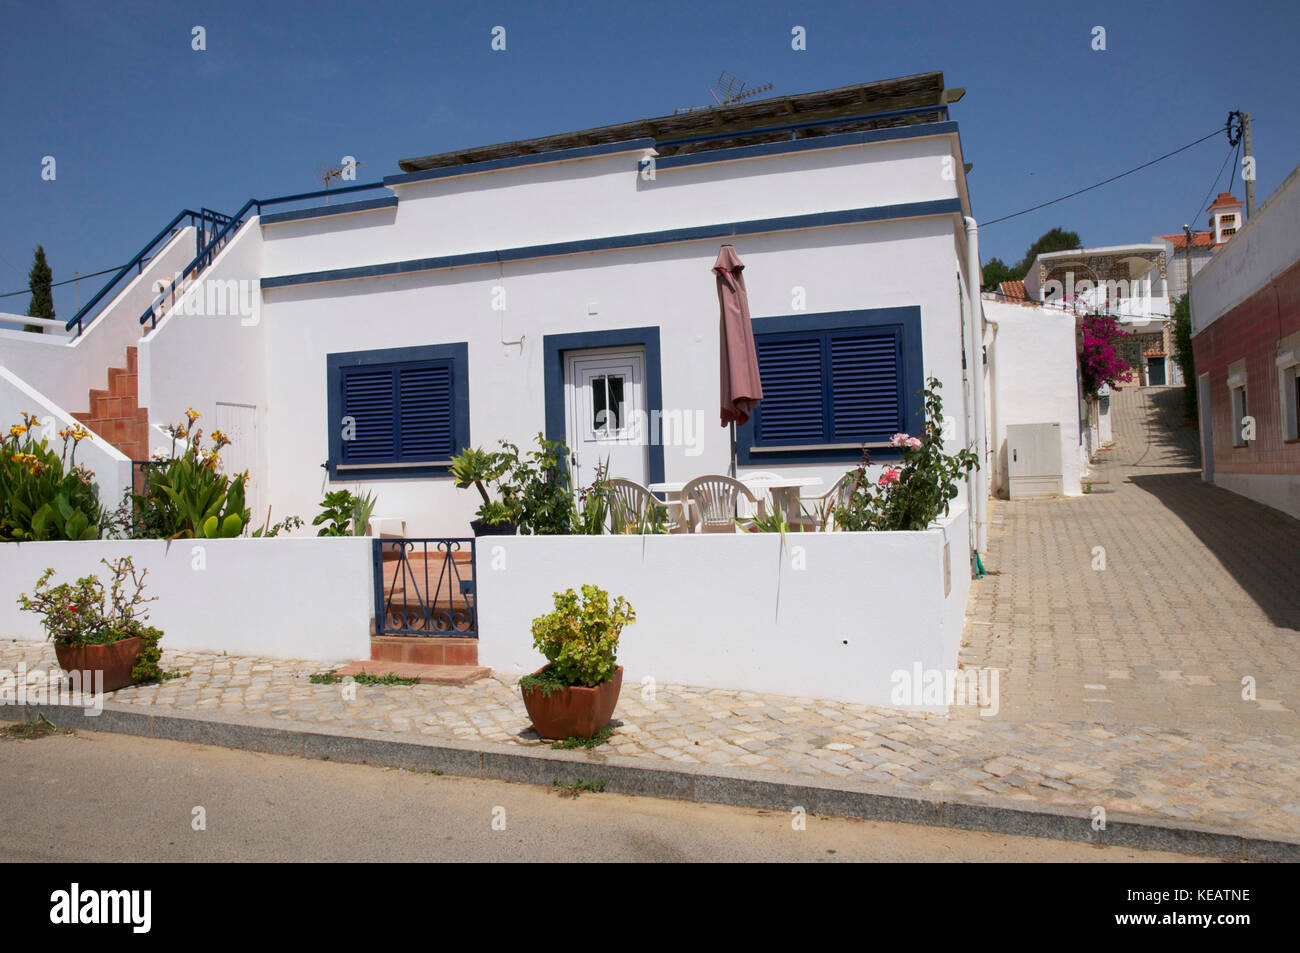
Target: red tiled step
column 427, row 674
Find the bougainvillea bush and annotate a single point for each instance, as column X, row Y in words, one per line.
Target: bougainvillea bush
column 1099, row 360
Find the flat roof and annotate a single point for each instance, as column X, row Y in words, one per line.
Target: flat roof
column 904, row 101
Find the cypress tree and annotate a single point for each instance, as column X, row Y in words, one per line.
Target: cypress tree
column 39, row 280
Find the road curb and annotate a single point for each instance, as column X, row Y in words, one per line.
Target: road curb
column 700, row 783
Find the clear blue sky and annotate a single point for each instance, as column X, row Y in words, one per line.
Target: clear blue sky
column 142, row 126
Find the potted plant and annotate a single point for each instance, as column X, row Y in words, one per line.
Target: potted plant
column 98, row 631
column 476, row 467
column 574, row 694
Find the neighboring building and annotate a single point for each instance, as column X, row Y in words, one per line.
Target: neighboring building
column 1246, row 344
column 1127, row 281
column 1226, row 217
column 1033, row 381
column 561, row 285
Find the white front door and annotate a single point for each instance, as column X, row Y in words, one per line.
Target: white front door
column 239, row 423
column 605, row 413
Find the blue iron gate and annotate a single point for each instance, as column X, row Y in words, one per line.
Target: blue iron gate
column 425, row 587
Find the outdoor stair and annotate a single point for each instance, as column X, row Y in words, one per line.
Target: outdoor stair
column 115, row 413
column 434, row 661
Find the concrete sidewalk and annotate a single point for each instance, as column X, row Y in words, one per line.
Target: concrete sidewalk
column 1213, row 793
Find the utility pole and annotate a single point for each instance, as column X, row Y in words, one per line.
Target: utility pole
column 1187, row 230
column 1249, row 166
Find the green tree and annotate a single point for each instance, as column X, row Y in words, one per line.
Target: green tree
column 39, row 280
column 1183, row 352
column 996, row 271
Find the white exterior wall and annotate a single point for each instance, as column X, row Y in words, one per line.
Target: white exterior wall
column 673, row 287
column 276, row 598
column 196, row 360
column 1258, row 253
column 1033, row 367
column 603, row 196
column 733, row 611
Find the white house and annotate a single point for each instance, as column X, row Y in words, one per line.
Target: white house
column 564, row 286
column 498, row 292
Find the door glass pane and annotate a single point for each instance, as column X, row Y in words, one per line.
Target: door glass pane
column 615, row 383
column 598, row 404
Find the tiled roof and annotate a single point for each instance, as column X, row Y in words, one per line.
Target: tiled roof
column 1013, row 291
column 1224, row 198
column 1199, row 240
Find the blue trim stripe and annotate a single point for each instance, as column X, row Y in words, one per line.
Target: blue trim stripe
column 805, row 145
column 510, row 162
column 854, row 216
column 277, row 218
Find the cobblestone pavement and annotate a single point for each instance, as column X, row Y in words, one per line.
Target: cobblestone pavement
column 1200, row 590
column 1213, row 777
column 1120, row 687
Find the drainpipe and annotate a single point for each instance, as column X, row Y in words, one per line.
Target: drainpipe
column 975, row 370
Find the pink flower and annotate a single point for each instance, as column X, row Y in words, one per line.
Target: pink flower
column 889, row 476
column 899, row 439
column 914, row 443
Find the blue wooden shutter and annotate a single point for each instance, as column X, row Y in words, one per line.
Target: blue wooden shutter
column 425, row 410
column 369, row 399
column 793, row 407
column 866, row 385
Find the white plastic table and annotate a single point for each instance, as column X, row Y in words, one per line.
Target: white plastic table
column 783, row 490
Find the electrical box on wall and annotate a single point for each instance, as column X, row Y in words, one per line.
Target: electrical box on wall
column 1034, row 460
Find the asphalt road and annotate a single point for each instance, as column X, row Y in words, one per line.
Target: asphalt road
column 260, row 807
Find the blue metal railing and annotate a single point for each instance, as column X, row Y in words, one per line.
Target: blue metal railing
column 137, row 261
column 425, row 593
column 232, row 225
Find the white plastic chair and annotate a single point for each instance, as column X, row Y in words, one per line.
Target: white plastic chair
column 714, row 498
column 748, row 511
column 814, row 506
column 631, row 502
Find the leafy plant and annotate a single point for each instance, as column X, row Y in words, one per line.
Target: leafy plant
column 85, row 613
column 344, row 514
column 595, row 741
column 1099, row 360
column 269, row 529
column 43, row 494
column 480, row 468
column 361, row 678
column 535, row 487
column 185, row 496
column 580, row 638
column 911, row 496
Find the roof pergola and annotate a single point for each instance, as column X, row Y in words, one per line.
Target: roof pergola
column 905, row 101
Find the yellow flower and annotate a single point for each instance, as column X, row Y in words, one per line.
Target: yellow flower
column 219, row 440
column 192, row 415
column 80, row 433
column 17, row 431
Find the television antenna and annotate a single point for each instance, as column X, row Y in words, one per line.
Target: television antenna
column 327, row 174
column 733, row 90
column 726, row 90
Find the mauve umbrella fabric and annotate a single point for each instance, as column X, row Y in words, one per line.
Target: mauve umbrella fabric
column 741, row 387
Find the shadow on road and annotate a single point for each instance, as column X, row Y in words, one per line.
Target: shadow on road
column 1171, row 443
column 1258, row 545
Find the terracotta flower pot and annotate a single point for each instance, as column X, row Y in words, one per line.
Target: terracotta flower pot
column 575, row 711
column 115, row 660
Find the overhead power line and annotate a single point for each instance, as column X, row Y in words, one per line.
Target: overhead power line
column 1098, row 185
column 57, row 284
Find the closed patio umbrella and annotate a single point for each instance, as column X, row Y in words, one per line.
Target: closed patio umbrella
column 741, row 387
